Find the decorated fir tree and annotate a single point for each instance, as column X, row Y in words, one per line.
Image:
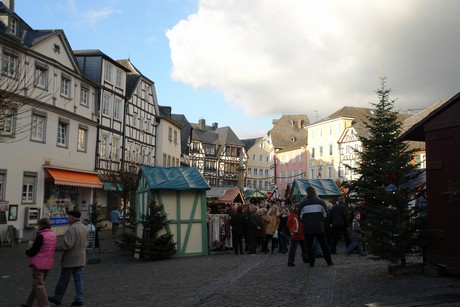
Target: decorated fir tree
column 385, row 168
column 156, row 243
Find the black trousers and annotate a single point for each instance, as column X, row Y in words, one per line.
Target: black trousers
column 321, row 238
column 337, row 233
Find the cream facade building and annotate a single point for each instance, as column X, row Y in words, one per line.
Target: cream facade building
column 324, row 152
column 259, row 173
column 48, row 128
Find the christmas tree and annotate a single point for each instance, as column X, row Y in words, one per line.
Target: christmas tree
column 153, row 245
column 385, row 168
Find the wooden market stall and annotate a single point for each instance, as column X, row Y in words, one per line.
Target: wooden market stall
column 254, row 196
column 182, row 191
column 220, row 201
column 325, row 188
column 439, row 128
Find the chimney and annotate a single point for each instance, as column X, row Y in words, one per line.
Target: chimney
column 299, row 123
column 202, row 124
column 9, row 4
column 215, row 126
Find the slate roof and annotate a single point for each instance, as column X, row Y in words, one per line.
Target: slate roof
column 248, row 143
column 174, row 178
column 132, row 77
column 286, row 132
column 217, row 136
column 413, row 123
column 185, row 131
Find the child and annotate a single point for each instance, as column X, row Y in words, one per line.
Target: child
column 356, row 236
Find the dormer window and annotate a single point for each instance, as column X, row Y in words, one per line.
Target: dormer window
column 13, row 26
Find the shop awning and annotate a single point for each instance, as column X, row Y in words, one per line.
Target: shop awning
column 74, row 178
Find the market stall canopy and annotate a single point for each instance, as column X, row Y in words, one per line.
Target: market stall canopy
column 174, row 178
column 254, row 194
column 225, row 194
column 323, row 187
column 274, row 195
column 74, row 178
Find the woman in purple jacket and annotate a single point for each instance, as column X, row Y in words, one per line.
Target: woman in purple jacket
column 41, row 260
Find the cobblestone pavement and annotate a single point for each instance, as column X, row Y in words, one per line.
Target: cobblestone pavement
column 225, row 279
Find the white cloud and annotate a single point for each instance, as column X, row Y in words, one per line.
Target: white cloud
column 86, row 17
column 296, row 56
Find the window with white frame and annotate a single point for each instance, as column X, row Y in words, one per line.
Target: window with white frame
column 331, row 149
column 28, row 187
column 255, row 172
column 7, row 119
column 108, row 72
column 37, row 131
column 2, row 183
column 312, row 173
column 103, row 146
column 300, row 173
column 117, row 109
column 82, row 138
column 41, row 76
column 62, row 134
column 10, row 63
column 301, row 157
column 84, row 97
column 175, row 137
column 321, row 151
column 261, row 158
column 266, row 173
column 106, row 105
column 115, row 146
column 281, row 177
column 329, row 172
column 249, row 171
column 170, row 132
column 118, row 81
column 313, row 153
column 65, row 86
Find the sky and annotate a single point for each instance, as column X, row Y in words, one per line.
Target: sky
column 243, row 63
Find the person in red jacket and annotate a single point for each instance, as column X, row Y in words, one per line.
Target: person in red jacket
column 295, row 226
column 41, row 260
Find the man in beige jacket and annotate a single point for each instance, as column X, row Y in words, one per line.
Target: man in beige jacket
column 73, row 245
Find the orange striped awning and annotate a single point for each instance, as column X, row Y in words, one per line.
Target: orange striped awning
column 74, row 178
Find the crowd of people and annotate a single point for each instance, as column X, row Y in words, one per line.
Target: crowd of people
column 311, row 224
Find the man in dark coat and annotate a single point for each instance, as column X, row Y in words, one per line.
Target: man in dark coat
column 238, row 223
column 340, row 223
column 252, row 230
column 313, row 211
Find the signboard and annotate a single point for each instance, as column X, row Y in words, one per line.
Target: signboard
column 93, row 238
column 57, row 221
